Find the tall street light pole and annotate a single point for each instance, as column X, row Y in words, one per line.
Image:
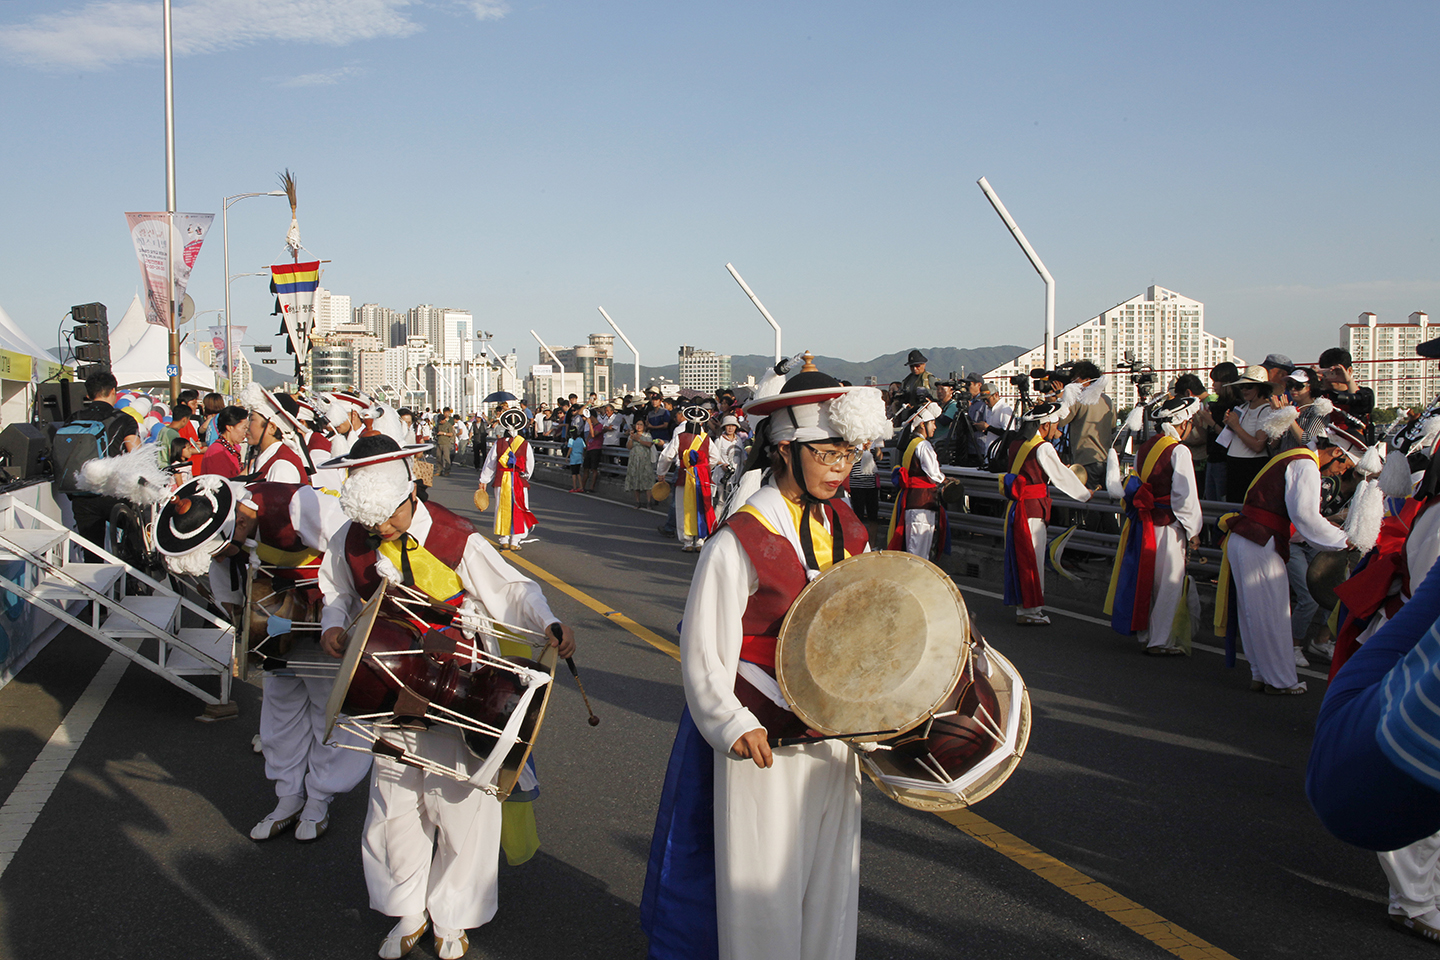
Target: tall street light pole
column 627, row 343
column 230, row 356
column 760, row 306
column 170, row 209
column 1034, row 262
column 546, row 347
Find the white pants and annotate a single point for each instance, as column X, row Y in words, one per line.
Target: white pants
column 513, row 538
column 920, row 528
column 292, row 737
column 1039, row 538
column 1262, row 592
column 1167, row 591
column 431, row 843
column 1412, row 874
column 787, row 854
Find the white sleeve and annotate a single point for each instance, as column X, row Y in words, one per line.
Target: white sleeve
column 316, row 516
column 507, row 594
column 930, row 463
column 487, row 472
column 336, row 584
column 710, row 637
column 529, row 459
column 1302, row 499
column 283, row 471
column 1060, row 475
column 668, row 453
column 1184, row 498
column 1423, row 545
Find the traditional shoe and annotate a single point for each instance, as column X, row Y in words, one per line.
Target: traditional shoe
column 450, row 944
column 314, row 821
column 398, row 942
column 255, row 744
column 1422, row 926
column 1164, row 651
column 1032, row 620
column 1294, row 691
column 1300, row 660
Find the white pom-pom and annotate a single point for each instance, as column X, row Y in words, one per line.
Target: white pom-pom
column 1071, row 394
column 1136, row 418
column 1323, row 406
column 386, row 569
column 196, row 563
column 1112, row 475
column 253, row 398
column 1278, row 421
column 1395, row 475
column 135, row 476
column 859, row 416
column 1371, row 463
column 1367, row 510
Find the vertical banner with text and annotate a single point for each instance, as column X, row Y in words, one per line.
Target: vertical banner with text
column 152, row 243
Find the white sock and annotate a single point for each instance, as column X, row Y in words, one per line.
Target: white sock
column 315, row 810
column 408, row 924
column 288, row 806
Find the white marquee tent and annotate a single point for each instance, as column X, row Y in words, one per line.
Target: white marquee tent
column 143, row 365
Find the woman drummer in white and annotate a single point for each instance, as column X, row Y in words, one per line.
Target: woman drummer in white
column 783, row 879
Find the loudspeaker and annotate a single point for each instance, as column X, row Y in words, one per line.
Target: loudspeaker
column 58, row 402
column 25, row 451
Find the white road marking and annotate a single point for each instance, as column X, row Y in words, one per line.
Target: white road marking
column 22, row 808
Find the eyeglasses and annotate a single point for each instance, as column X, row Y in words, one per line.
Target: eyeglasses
column 829, row 458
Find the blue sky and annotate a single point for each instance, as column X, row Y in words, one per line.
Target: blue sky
column 530, row 160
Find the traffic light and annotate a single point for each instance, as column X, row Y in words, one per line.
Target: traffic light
column 92, row 338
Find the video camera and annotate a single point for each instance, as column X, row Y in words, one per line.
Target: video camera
column 1141, row 374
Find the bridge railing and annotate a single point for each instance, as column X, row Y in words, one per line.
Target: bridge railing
column 1097, row 520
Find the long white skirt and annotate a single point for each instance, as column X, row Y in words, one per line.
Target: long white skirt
column 1262, row 591
column 1167, row 590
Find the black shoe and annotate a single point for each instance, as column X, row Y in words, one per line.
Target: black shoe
column 669, row 534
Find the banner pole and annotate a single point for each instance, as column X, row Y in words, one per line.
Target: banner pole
column 170, row 210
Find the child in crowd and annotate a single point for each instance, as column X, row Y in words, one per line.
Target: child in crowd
column 576, row 446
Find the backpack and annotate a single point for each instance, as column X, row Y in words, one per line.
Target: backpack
column 76, row 443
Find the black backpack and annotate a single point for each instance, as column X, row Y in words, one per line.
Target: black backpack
column 76, row 443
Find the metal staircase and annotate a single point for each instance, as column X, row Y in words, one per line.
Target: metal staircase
column 163, row 632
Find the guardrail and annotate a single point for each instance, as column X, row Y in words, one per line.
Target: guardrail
column 981, row 488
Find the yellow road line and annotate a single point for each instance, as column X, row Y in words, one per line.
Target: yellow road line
column 1148, row 924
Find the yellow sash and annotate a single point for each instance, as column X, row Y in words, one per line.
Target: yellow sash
column 281, row 558
column 431, row 576
column 1222, row 588
column 1146, row 468
column 691, row 519
column 505, row 495
column 1015, row 464
column 820, row 538
column 905, row 461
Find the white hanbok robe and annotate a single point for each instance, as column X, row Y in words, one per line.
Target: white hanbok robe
column 1063, row 478
column 1262, row 585
column 921, row 525
column 432, row 843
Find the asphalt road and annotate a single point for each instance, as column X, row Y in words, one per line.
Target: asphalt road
column 1167, row 784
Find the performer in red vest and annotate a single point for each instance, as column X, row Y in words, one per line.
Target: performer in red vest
column 1163, row 518
column 919, row 524
column 274, row 437
column 1283, row 497
column 694, row 492
column 507, row 470
column 217, row 528
column 756, row 849
column 450, row 881
column 1033, row 465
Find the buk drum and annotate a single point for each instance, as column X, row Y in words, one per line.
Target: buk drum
column 963, row 751
column 278, row 609
column 394, row 677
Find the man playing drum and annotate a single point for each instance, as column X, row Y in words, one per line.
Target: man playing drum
column 774, row 872
column 449, row 880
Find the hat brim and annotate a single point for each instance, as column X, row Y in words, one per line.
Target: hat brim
column 171, row 543
column 765, row 407
column 348, row 462
column 1430, row 348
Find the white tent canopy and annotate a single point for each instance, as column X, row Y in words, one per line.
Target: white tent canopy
column 129, row 330
column 143, row 365
column 17, row 340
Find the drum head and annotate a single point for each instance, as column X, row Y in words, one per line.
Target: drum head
column 509, row 774
column 359, row 633
column 874, row 643
column 900, row 780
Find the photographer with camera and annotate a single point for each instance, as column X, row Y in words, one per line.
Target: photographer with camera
column 1338, row 385
column 917, row 380
column 1090, row 415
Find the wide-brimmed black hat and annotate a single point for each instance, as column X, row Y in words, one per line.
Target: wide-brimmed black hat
column 375, row 448
column 1430, row 348
column 199, row 510
column 915, row 357
column 697, row 414
column 513, row 419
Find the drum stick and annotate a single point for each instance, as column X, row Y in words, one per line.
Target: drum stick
column 801, row 741
column 594, row 721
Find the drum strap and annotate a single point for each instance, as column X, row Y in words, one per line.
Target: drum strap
column 807, row 544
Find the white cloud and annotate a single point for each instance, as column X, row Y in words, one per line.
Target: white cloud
column 488, row 9
column 324, row 78
column 108, row 32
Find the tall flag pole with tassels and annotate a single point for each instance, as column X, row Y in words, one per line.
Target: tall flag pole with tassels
column 294, row 285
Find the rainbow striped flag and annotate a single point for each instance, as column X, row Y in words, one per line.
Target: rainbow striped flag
column 294, row 277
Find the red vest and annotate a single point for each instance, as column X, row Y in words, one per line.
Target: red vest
column 682, row 454
column 921, row 493
column 317, row 443
column 446, row 540
column 273, row 528
column 1264, row 516
column 287, row 455
column 1032, row 473
column 1161, row 477
column 781, row 577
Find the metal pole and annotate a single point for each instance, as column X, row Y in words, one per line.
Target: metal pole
column 763, row 312
column 1034, row 262
column 547, row 349
column 170, row 208
column 628, row 344
column 229, row 334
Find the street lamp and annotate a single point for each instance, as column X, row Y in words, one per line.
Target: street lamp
column 546, row 348
column 225, row 224
column 627, row 343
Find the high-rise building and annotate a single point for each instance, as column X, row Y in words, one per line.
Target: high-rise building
column 332, row 368
column 456, row 340
column 425, row 321
column 1160, row 328
column 703, row 370
column 332, row 311
column 1385, row 360
column 369, row 369
column 380, row 321
column 593, row 361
